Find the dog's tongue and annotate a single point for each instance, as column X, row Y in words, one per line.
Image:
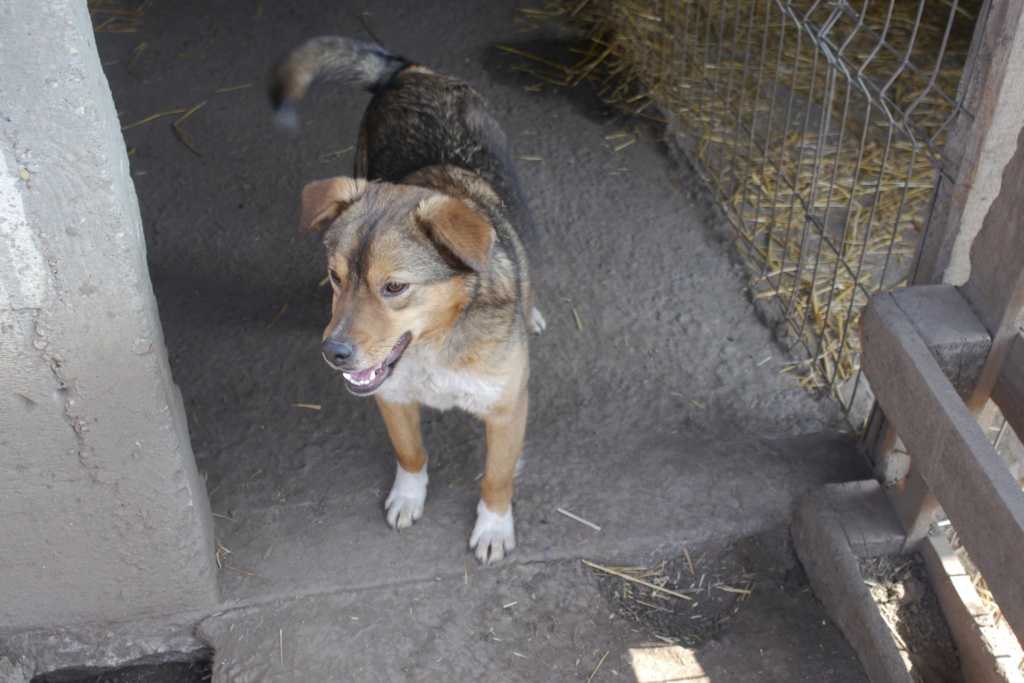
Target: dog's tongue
column 365, row 381
column 366, row 375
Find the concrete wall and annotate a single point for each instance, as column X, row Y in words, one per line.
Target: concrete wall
column 102, row 513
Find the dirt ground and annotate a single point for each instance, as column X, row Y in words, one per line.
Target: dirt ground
column 659, row 411
column 908, row 604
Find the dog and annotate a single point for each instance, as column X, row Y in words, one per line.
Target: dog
column 427, row 256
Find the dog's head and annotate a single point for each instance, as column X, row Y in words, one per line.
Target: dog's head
column 403, row 262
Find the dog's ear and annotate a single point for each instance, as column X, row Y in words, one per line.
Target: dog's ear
column 459, row 230
column 324, row 200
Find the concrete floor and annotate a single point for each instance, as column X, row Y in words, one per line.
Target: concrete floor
column 661, row 415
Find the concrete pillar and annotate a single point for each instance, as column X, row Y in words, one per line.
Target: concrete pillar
column 102, row 513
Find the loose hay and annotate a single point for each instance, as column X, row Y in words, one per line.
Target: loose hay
column 181, row 134
column 639, row 577
column 578, row 519
column 278, row 316
column 599, row 663
column 818, row 126
column 233, row 88
column 690, row 598
column 117, row 16
column 136, row 53
column 153, row 117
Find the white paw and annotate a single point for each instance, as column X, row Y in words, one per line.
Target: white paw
column 404, row 504
column 493, row 536
column 536, row 324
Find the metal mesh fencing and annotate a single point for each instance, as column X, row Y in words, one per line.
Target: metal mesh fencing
column 818, row 125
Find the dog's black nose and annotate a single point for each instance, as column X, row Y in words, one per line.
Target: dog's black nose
column 337, row 352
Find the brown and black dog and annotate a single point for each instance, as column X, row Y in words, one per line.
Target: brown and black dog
column 426, row 252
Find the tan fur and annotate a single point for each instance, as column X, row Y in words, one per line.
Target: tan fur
column 323, row 200
column 454, row 225
column 496, row 352
column 433, row 295
column 403, row 425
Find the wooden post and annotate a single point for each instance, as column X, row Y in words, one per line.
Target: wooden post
column 980, row 142
column 996, row 288
column 949, row 449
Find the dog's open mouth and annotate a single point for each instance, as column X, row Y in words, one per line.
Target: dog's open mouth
column 369, row 380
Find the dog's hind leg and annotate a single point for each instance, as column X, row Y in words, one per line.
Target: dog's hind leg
column 494, row 533
column 404, row 504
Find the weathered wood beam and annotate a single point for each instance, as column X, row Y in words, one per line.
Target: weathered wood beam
column 949, row 449
column 1008, row 393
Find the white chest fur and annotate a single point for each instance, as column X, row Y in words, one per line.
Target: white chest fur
column 418, row 377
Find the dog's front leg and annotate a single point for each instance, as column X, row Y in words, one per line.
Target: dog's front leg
column 404, row 505
column 494, row 533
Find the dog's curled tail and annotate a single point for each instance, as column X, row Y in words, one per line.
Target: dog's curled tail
column 332, row 58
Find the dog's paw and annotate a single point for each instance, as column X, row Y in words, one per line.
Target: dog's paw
column 536, row 324
column 493, row 536
column 404, row 504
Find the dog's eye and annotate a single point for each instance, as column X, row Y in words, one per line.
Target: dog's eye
column 334, row 278
column 393, row 288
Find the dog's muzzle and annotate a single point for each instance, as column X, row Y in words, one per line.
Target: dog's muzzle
column 362, row 382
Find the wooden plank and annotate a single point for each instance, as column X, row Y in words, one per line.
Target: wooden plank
column 915, row 505
column 869, row 522
column 1008, row 393
column 981, row 661
column 959, row 342
column 976, row 142
column 996, row 288
column 825, row 553
column 949, row 449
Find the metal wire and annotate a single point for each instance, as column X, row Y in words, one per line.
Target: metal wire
column 819, row 125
